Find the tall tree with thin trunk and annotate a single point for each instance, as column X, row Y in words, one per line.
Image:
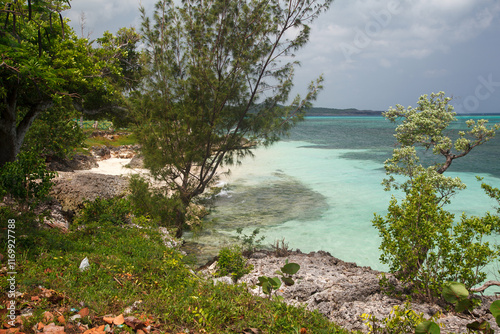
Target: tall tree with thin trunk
column 217, row 84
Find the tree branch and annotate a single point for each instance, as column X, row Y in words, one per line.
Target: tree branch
column 485, row 286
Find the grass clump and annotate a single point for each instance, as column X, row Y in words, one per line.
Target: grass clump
column 118, row 140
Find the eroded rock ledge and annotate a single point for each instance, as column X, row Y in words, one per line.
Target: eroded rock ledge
column 343, row 291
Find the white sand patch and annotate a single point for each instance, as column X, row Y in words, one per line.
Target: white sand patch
column 114, row 166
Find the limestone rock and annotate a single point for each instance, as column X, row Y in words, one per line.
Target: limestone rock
column 77, row 162
column 72, row 189
column 55, row 216
column 101, row 152
column 343, row 291
column 137, row 161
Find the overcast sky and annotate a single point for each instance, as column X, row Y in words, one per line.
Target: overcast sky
column 375, row 54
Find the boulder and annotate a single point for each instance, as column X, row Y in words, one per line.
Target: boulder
column 77, row 162
column 72, row 189
column 101, row 152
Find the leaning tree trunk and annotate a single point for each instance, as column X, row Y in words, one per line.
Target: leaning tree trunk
column 180, row 214
column 12, row 133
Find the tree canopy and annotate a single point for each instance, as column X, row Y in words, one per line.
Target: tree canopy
column 428, row 126
column 44, row 64
column 217, row 82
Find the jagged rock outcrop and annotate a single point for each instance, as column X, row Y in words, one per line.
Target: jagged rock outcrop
column 77, row 162
column 72, row 189
column 54, row 215
column 121, row 152
column 343, row 291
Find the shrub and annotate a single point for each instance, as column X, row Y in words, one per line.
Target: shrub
column 27, row 179
column 424, row 247
column 231, row 262
column 402, row 320
column 249, row 243
column 103, row 212
column 151, row 202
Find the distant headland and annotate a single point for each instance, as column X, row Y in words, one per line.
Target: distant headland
column 318, row 111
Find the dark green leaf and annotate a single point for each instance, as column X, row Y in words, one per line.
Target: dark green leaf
column 288, row 281
column 463, row 304
column 427, row 327
column 454, row 291
column 495, row 308
column 275, row 282
column 290, row 268
column 483, row 326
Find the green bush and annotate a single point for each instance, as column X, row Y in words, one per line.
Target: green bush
column 151, row 202
column 27, row 179
column 231, row 262
column 425, row 247
column 103, row 212
column 402, row 320
column 55, row 133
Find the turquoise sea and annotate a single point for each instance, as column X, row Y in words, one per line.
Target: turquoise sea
column 319, row 188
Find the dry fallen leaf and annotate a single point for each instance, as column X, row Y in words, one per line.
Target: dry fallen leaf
column 48, row 317
column 84, row 312
column 52, row 328
column 61, row 319
column 109, row 320
column 119, row 320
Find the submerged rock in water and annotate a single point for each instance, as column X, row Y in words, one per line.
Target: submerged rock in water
column 343, row 291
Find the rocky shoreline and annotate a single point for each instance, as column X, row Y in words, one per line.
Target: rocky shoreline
column 343, row 291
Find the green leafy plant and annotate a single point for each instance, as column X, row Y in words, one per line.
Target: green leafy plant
column 249, row 243
column 102, row 213
column 231, row 262
column 402, row 320
column 424, row 247
column 457, row 294
column 272, row 284
column 27, row 179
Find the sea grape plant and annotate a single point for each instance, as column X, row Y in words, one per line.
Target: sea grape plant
column 272, row 284
column 457, row 294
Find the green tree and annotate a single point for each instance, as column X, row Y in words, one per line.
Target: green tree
column 55, row 134
column 216, row 84
column 44, row 65
column 420, row 240
column 427, row 127
column 424, row 247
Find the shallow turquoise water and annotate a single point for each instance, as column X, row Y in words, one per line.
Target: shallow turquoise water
column 319, row 188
